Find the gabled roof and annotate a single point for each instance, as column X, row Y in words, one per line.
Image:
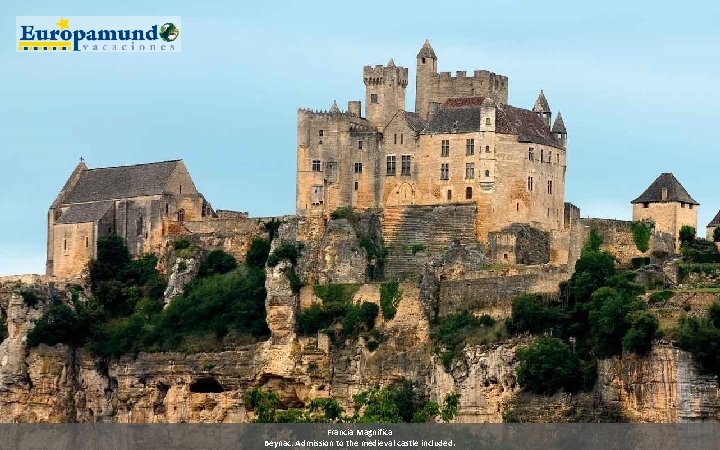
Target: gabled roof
column 121, row 182
column 85, row 212
column 415, row 121
column 715, row 222
column 675, row 191
column 541, row 104
column 463, row 115
column 426, row 51
column 559, row 125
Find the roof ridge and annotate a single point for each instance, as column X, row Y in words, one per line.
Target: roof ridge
column 134, row 165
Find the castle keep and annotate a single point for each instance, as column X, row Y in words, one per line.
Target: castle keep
column 140, row 203
column 463, row 145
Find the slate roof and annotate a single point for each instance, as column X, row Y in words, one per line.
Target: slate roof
column 675, row 191
column 715, row 222
column 426, row 51
column 541, row 104
column 415, row 121
column 462, row 115
column 85, row 212
column 121, row 182
column 559, row 125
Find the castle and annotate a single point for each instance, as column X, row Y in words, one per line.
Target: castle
column 463, row 144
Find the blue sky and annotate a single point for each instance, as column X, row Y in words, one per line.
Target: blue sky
column 637, row 83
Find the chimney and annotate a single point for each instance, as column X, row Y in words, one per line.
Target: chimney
column 432, row 108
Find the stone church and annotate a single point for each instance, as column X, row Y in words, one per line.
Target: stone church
column 462, row 145
column 140, row 203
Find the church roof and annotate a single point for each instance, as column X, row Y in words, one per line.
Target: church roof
column 121, row 182
column 463, row 115
column 85, row 212
column 426, row 51
column 716, row 221
column 559, row 125
column 415, row 121
column 675, row 191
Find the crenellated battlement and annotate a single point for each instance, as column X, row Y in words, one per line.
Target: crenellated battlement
column 381, row 75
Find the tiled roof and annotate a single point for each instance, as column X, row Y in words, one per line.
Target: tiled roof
column 675, row 191
column 559, row 125
column 85, row 212
column 415, row 121
column 716, row 221
column 426, row 51
column 121, row 182
column 463, row 115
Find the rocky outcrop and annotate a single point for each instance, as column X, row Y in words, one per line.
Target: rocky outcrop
column 664, row 386
column 181, row 273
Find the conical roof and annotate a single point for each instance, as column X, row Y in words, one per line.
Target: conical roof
column 427, row 51
column 391, row 63
column 675, row 192
column 541, row 104
column 559, row 125
column 334, row 108
column 716, row 221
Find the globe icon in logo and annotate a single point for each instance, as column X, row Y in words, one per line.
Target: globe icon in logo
column 169, row 32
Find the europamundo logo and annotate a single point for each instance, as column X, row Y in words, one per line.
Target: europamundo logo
column 98, row 34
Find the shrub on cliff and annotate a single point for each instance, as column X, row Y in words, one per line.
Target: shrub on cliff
column 216, row 262
column 531, row 313
column 58, row 325
column 547, row 366
column 701, row 337
column 639, row 337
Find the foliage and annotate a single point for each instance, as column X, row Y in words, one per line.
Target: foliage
column 30, row 297
column 367, row 314
column 687, row 234
column 258, row 254
column 716, row 234
column 661, row 296
column 390, row 295
column 58, row 325
column 547, row 366
column 640, row 261
column 417, row 248
column 701, row 337
column 338, row 315
column 336, row 293
column 641, row 232
column 531, row 313
column 452, row 332
column 272, row 226
column 343, row 212
column 685, row 269
column 376, row 253
column 643, row 330
column 593, row 242
column 393, row 404
column 609, row 320
column 295, row 282
column 700, row 251
column 288, row 251
column 216, row 262
column 182, row 243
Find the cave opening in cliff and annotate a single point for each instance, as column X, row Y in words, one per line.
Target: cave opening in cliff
column 207, row 385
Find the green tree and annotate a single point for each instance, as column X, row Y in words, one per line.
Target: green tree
column 258, row 253
column 609, row 320
column 547, row 366
column 687, row 234
column 58, row 325
column 639, row 337
column 531, row 313
column 216, row 262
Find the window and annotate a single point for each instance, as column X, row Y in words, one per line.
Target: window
column 664, row 194
column 320, row 133
column 469, row 147
column 390, row 165
column 549, row 187
column 373, row 98
column 167, row 209
column 405, row 165
column 317, row 195
column 691, row 206
column 449, row 195
column 468, row 192
column 517, row 206
column 682, row 205
column 487, row 173
column 181, row 188
column 444, row 171
column 358, row 167
column 423, row 60
column 64, row 244
column 181, row 215
column 487, row 121
column 549, row 157
column 395, row 138
column 487, row 149
column 87, row 242
column 356, row 185
column 401, row 138
column 139, row 225
column 316, row 165
column 445, row 148
column 558, row 158
column 646, row 205
column 530, row 183
column 470, row 171
column 359, row 145
column 531, row 154
column 542, row 155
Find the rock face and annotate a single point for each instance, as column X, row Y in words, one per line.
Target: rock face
column 664, row 386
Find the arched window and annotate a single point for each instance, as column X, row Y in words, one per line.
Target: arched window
column 181, row 215
column 468, row 192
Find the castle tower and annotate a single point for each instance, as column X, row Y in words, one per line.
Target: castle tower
column 384, row 92
column 426, row 68
column 542, row 109
column 558, row 129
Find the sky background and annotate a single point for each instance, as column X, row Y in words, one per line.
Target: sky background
column 637, row 83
